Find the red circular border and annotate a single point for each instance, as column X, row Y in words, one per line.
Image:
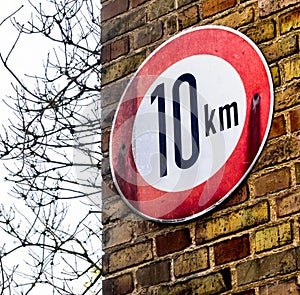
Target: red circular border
column 247, row 60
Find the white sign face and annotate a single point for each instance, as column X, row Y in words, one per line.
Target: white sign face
column 220, row 99
column 191, row 124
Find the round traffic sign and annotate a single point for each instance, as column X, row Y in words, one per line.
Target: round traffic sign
column 191, row 124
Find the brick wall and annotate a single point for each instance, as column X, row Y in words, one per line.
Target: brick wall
column 251, row 243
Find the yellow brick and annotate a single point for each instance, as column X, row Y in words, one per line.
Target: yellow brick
column 281, row 48
column 290, row 21
column 122, row 68
column 262, row 32
column 275, row 75
column 272, row 237
column 292, row 69
column 237, row 19
column 232, row 222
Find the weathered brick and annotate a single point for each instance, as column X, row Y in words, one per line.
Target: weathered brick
column 297, row 171
column 122, row 68
column 275, row 75
column 287, row 97
column 118, row 285
column 294, row 146
column 278, row 127
column 190, row 262
column 280, row 287
column 129, row 256
column 237, row 19
column 107, row 115
column 288, row 203
column 295, row 119
column 274, row 153
column 281, row 48
column 231, row 250
column 188, row 17
column 105, row 167
column 184, row 2
column 136, row 3
column 269, row 266
column 211, row 7
column 144, row 227
column 266, row 7
column 262, row 32
column 214, row 283
column 292, row 68
column 113, row 9
column 117, row 235
column 120, row 25
column 113, row 209
column 153, row 274
column 272, row 182
column 272, row 237
column 110, row 94
column 289, row 21
column 247, row 292
column 159, row 8
column 173, row 241
column 171, row 24
column 232, row 222
column 148, row 34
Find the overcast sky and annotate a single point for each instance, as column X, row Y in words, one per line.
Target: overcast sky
column 27, row 58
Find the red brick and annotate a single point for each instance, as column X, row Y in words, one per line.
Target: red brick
column 136, row 3
column 231, row 250
column 113, row 9
column 295, row 119
column 272, row 182
column 105, row 141
column 172, row 242
column 287, row 204
column 105, row 54
column 211, row 7
column 266, row 7
column 238, row 197
column 119, row 47
column 153, row 274
column 278, row 127
column 119, row 285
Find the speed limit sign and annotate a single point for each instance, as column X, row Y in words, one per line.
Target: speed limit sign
column 191, row 124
